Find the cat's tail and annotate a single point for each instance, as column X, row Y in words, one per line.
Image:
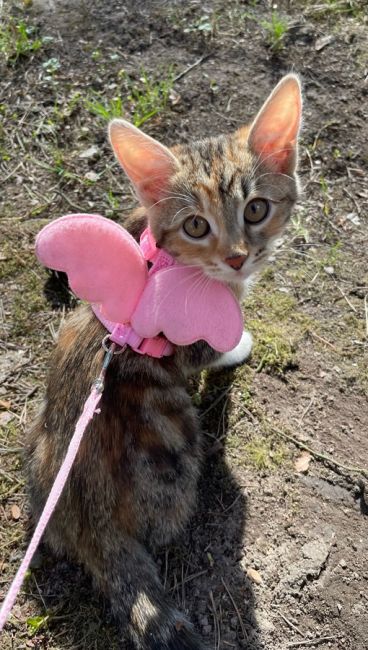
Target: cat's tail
column 140, row 604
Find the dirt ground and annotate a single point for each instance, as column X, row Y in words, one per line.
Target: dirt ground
column 276, row 556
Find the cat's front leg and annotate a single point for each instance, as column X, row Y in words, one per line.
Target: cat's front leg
column 237, row 355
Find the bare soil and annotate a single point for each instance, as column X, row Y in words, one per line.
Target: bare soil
column 275, row 557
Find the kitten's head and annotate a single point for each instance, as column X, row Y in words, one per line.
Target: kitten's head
column 220, row 202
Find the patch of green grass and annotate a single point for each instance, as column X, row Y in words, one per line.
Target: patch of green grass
column 277, row 328
column 139, row 101
column 19, row 40
column 331, row 257
column 149, row 97
column 10, row 480
column 265, row 453
column 298, row 227
column 27, row 304
column 275, row 29
column 325, row 194
column 107, row 109
column 21, row 266
column 37, row 623
column 274, row 350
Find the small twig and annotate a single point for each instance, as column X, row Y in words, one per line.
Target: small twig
column 68, row 201
column 39, row 592
column 245, row 635
column 353, row 199
column 233, row 503
column 320, row 338
column 216, row 623
column 316, row 454
column 325, row 126
column 322, row 639
column 11, row 173
column 307, row 408
column 217, row 400
column 290, row 624
column 10, row 450
column 187, row 579
column 190, row 67
column 346, row 298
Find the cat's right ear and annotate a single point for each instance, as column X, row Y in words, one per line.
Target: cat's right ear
column 148, row 163
column 273, row 136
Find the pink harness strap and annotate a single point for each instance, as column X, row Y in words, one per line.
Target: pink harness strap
column 123, row 333
column 90, row 408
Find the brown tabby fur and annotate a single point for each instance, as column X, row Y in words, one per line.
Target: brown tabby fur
column 133, row 485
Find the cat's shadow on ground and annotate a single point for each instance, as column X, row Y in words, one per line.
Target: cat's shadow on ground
column 215, row 540
column 202, row 573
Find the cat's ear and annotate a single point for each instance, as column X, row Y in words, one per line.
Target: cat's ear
column 273, row 136
column 148, row 163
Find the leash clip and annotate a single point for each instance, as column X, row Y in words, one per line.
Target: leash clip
column 111, row 351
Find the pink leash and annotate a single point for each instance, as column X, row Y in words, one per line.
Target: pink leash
column 89, row 410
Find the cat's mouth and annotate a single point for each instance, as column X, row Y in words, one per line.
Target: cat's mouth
column 223, row 273
column 229, row 276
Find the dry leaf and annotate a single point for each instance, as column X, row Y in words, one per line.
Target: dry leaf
column 302, row 462
column 15, row 510
column 174, row 98
column 254, row 576
column 4, row 404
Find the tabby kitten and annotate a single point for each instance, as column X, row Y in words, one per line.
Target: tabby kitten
column 217, row 203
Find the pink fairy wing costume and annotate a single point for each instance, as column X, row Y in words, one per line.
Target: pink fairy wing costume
column 106, row 267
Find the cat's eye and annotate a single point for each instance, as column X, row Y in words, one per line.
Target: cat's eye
column 196, row 227
column 256, row 210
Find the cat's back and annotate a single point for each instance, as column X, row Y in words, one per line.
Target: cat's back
column 142, row 447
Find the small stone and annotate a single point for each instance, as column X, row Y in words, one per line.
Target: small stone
column 92, row 176
column 90, row 153
column 15, row 511
column 323, row 41
column 343, row 564
column 329, row 270
column 254, row 576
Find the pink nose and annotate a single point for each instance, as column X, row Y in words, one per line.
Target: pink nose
column 236, row 261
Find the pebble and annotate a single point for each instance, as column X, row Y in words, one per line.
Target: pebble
column 90, row 153
column 254, row 576
column 15, row 511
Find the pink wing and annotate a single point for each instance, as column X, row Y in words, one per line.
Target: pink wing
column 187, row 306
column 103, row 262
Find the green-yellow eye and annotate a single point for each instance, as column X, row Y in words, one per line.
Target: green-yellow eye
column 196, row 227
column 256, row 210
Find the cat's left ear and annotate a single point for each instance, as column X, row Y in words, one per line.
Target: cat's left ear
column 273, row 136
column 148, row 163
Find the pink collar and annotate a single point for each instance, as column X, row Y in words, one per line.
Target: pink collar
column 123, row 333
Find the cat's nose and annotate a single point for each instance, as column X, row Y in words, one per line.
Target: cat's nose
column 236, row 261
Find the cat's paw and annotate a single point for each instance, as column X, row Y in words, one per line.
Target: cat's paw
column 238, row 355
